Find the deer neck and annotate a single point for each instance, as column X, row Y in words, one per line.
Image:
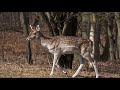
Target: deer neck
column 47, row 42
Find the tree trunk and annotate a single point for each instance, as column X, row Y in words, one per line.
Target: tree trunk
column 48, row 23
column 105, row 55
column 79, row 25
column 53, row 23
column 117, row 17
column 95, row 35
column 115, row 40
column 85, row 25
column 97, row 39
column 25, row 21
column 110, row 30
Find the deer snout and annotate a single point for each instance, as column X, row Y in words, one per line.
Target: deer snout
column 28, row 38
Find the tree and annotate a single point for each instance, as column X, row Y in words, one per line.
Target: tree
column 104, row 40
column 25, row 22
column 97, row 37
column 117, row 18
column 85, row 24
column 110, row 35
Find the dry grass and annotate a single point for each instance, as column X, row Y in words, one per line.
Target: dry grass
column 13, row 63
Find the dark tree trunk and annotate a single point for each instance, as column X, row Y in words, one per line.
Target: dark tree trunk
column 85, row 25
column 95, row 35
column 97, row 38
column 115, row 40
column 25, row 22
column 117, row 18
column 46, row 19
column 105, row 55
column 110, row 35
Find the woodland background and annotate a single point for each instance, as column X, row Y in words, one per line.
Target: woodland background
column 21, row 58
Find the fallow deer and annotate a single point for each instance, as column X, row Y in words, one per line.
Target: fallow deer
column 60, row 45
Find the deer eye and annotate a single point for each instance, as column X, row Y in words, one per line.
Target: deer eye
column 33, row 28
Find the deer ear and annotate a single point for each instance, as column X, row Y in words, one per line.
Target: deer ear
column 38, row 28
column 30, row 26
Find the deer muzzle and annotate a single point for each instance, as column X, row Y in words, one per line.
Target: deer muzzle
column 28, row 38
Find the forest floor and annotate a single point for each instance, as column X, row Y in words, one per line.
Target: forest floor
column 13, row 63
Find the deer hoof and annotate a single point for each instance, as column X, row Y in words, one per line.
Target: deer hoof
column 51, row 74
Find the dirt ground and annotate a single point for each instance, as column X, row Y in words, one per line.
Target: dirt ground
column 13, row 63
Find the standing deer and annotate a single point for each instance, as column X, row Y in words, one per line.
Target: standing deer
column 60, row 45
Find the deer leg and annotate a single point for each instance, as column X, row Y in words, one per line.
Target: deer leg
column 56, row 57
column 59, row 66
column 79, row 69
column 57, row 62
column 93, row 63
column 95, row 68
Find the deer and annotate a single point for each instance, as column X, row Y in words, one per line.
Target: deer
column 61, row 45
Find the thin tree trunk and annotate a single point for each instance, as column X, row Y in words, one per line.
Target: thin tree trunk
column 53, row 23
column 97, row 39
column 110, row 30
column 48, row 23
column 95, row 36
column 79, row 25
column 24, row 22
column 105, row 55
column 117, row 17
column 115, row 41
column 85, row 25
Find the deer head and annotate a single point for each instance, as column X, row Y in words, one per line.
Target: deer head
column 34, row 33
